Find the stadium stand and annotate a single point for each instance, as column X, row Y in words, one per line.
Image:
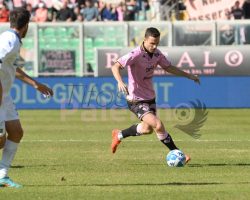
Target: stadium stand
column 83, row 38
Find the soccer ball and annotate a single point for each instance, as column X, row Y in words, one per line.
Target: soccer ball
column 176, row 158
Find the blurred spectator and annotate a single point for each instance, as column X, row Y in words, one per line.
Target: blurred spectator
column 65, row 13
column 31, row 10
column 48, row 3
column 18, row 3
column 9, row 4
column 130, row 10
column 71, row 4
column 80, row 3
column 120, row 11
column 236, row 11
column 109, row 13
column 139, row 4
column 77, row 15
column 156, row 10
column 101, row 6
column 228, row 14
column 56, row 6
column 34, row 3
column 246, row 11
column 144, row 8
column 90, row 12
column 4, row 13
column 79, row 18
column 41, row 13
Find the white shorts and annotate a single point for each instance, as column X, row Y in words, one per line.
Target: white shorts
column 8, row 112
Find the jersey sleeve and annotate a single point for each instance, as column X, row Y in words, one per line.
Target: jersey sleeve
column 127, row 60
column 19, row 62
column 6, row 47
column 163, row 61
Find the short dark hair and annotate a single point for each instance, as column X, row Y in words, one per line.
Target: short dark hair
column 19, row 17
column 153, row 32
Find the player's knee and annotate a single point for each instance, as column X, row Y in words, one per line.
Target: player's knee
column 144, row 128
column 158, row 125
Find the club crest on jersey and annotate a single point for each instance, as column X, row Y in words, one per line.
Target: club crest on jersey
column 150, row 68
column 157, row 54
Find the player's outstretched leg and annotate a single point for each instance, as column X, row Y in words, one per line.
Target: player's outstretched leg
column 7, row 182
column 9, row 152
column 118, row 135
column 115, row 140
column 167, row 140
column 8, row 155
column 161, row 133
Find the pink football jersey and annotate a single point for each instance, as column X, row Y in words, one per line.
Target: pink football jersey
column 140, row 72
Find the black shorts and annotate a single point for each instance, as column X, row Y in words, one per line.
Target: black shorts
column 141, row 108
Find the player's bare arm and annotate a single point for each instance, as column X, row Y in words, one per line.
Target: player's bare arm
column 176, row 71
column 122, row 87
column 21, row 75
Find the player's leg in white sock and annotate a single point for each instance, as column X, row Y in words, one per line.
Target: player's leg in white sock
column 15, row 134
column 9, row 152
column 2, row 144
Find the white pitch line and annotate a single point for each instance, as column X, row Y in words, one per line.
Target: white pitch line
column 134, row 141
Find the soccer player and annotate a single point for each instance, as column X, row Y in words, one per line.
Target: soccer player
column 11, row 130
column 141, row 63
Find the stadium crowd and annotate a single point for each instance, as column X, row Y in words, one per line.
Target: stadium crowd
column 101, row 10
column 79, row 10
column 238, row 12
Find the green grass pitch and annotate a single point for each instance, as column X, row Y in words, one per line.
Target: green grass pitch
column 66, row 155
